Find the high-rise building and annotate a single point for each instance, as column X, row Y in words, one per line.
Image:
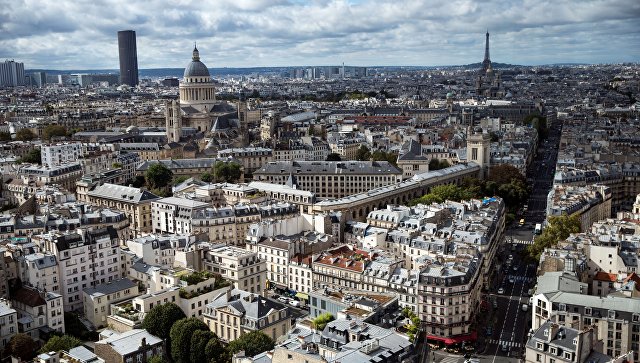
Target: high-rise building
column 128, row 57
column 11, row 74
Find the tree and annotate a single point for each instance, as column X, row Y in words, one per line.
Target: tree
column 158, row 176
column 322, row 320
column 22, row 346
column 442, row 193
column 180, row 335
column 558, row 229
column 199, row 341
column 57, row 343
column 385, row 156
column 504, row 173
column 137, row 182
column 34, row 156
column 334, row 157
column 229, row 172
column 207, row 177
column 363, row 153
column 215, row 351
column 52, row 131
column 5, row 136
column 25, row 135
column 252, row 343
column 159, row 320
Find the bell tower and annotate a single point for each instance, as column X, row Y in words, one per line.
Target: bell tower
column 479, row 149
column 173, row 121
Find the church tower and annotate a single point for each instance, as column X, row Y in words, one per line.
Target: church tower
column 173, row 121
column 197, row 88
column 478, row 149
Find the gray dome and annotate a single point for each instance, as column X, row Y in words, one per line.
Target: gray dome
column 196, row 69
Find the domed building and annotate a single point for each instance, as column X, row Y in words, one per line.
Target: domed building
column 196, row 88
column 198, row 109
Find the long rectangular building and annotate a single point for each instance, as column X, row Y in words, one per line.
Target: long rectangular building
column 330, row 179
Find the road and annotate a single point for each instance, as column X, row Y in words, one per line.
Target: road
column 509, row 323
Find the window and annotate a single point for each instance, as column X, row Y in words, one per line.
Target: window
column 538, row 358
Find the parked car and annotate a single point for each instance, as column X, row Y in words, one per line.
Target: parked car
column 283, row 299
column 295, row 303
column 525, row 307
column 501, row 290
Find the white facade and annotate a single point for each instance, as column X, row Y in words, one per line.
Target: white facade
column 41, row 271
column 8, row 323
column 244, row 268
column 60, row 154
column 86, row 259
column 173, row 215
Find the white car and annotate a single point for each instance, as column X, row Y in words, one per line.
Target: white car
column 501, row 291
column 295, row 303
column 283, row 299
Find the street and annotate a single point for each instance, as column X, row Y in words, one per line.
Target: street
column 508, row 322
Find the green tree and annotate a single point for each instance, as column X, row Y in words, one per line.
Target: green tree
column 252, row 343
column 363, row 153
column 334, row 157
column 57, row 343
column 116, row 165
column 34, row 156
column 558, row 229
column 180, row 335
column 25, row 135
column 442, row 193
column 199, row 341
column 504, row 173
column 22, row 346
column 207, row 177
column 215, row 351
column 5, row 136
column 322, row 320
column 158, row 176
column 379, row 155
column 229, row 172
column 159, row 320
column 52, row 131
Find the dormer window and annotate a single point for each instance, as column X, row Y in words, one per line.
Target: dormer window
column 562, row 307
column 575, row 341
column 635, row 318
column 612, row 314
column 546, row 332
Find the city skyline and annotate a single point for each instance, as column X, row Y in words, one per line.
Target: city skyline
column 256, row 33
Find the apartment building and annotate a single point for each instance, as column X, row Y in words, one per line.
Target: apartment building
column 40, row 271
column 449, row 291
column 97, row 300
column 234, row 312
column 330, row 179
column 591, row 202
column 8, row 323
column 616, row 319
column 174, row 215
column 65, row 175
column 38, row 311
column 135, row 202
column 60, row 154
column 159, row 250
column 243, row 268
column 554, row 343
column 136, row 345
column 85, row 258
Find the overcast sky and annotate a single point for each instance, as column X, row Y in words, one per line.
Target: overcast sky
column 82, row 34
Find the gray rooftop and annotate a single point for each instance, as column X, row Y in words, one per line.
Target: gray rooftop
column 109, row 288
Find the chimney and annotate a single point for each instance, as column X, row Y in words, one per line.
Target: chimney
column 143, row 342
column 552, row 331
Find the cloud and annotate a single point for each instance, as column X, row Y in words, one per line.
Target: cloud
column 81, row 34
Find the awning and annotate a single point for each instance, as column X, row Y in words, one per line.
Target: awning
column 302, row 295
column 454, row 340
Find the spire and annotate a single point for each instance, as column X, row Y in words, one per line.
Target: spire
column 196, row 54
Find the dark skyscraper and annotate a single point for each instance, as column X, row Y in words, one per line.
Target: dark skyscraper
column 128, row 57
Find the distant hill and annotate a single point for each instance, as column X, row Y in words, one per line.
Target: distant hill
column 169, row 72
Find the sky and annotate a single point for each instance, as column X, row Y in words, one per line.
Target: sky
column 82, row 34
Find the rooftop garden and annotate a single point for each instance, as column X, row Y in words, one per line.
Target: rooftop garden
column 195, row 278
